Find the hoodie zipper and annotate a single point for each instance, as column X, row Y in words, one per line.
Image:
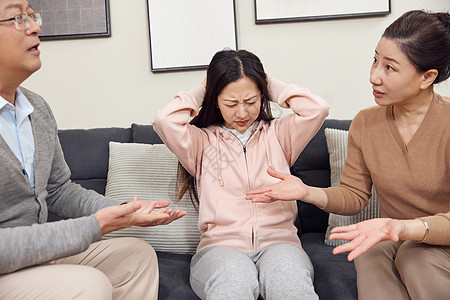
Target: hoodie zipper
column 252, row 205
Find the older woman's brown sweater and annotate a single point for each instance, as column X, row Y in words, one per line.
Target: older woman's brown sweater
column 412, row 180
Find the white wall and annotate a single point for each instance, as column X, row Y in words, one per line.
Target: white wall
column 107, row 82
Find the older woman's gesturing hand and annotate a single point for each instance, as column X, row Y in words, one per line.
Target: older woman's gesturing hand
column 289, row 188
column 366, row 234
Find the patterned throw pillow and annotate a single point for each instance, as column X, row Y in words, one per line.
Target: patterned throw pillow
column 149, row 172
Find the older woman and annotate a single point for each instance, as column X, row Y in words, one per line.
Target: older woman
column 402, row 147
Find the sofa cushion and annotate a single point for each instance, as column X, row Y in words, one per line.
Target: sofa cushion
column 337, row 142
column 174, row 272
column 312, row 166
column 149, row 172
column 334, row 275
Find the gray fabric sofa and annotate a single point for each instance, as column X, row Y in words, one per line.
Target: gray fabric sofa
column 87, row 152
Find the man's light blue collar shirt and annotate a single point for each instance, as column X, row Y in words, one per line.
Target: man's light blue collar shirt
column 16, row 130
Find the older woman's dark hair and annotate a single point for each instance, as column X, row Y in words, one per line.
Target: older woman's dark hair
column 425, row 39
column 225, row 67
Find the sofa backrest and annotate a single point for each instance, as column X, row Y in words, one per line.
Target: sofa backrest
column 87, row 151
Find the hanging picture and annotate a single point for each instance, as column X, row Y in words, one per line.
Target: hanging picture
column 186, row 34
column 70, row 19
column 271, row 11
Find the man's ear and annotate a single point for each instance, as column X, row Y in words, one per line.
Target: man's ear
column 428, row 78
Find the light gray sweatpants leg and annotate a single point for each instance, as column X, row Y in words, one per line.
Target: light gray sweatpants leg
column 220, row 272
column 285, row 272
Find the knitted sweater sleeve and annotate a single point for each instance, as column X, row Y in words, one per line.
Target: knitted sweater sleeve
column 26, row 239
column 354, row 190
column 439, row 229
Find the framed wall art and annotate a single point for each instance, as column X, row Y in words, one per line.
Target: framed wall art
column 184, row 35
column 270, row 11
column 71, row 19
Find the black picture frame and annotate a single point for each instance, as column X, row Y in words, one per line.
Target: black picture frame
column 291, row 12
column 187, row 35
column 73, row 19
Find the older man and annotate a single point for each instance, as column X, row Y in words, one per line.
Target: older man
column 64, row 259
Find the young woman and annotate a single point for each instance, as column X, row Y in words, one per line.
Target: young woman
column 246, row 249
column 402, row 147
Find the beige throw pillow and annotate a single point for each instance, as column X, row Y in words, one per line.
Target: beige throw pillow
column 149, row 172
column 337, row 141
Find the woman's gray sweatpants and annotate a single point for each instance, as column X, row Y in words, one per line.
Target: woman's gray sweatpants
column 278, row 271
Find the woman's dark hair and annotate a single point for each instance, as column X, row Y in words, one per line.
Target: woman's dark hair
column 225, row 67
column 425, row 39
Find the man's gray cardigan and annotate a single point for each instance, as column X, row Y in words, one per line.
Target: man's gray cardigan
column 26, row 239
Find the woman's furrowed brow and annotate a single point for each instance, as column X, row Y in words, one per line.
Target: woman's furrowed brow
column 231, row 100
column 251, row 98
column 237, row 100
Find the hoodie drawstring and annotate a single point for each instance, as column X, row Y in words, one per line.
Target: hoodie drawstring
column 268, row 153
column 219, row 162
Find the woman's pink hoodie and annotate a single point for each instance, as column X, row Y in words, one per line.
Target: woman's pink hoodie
column 225, row 169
